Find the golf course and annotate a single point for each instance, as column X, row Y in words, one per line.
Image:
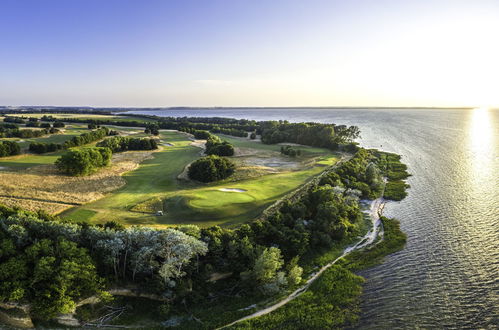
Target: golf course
column 154, row 186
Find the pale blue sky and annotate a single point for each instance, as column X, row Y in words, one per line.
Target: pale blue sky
column 249, row 53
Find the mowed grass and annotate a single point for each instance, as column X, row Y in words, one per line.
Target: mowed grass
column 154, row 186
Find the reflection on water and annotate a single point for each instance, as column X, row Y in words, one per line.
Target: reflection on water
column 482, row 148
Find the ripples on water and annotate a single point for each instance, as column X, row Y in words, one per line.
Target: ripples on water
column 448, row 274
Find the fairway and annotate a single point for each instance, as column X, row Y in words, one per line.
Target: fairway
column 154, row 187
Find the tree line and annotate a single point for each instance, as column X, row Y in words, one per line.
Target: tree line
column 122, row 143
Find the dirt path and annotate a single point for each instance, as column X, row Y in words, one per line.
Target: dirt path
column 375, row 214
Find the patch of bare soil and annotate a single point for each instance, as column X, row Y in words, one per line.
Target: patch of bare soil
column 39, row 186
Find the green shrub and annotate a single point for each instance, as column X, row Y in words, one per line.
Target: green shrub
column 211, row 168
column 84, row 161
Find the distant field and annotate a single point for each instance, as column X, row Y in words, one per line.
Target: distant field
column 154, row 186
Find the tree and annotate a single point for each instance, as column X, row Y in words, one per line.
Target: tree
column 84, row 161
column 211, row 168
column 267, row 265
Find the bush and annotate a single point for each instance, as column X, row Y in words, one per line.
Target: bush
column 215, row 146
column 40, row 148
column 211, row 168
column 58, row 124
column 84, row 161
column 395, row 190
column 9, row 148
column 121, row 143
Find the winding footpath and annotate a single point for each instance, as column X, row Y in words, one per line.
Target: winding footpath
column 375, row 212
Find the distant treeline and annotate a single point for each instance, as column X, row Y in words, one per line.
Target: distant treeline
column 313, row 134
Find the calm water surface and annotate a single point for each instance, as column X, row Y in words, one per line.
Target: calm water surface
column 448, row 274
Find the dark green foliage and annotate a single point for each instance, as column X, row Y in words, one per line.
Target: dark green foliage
column 312, row 134
column 87, row 138
column 289, row 151
column 21, row 133
column 200, row 134
column 211, row 168
column 58, row 124
column 84, row 161
column 52, row 274
column 45, row 125
column 9, row 148
column 40, row 147
column 395, row 171
column 12, row 119
column 121, row 143
column 393, row 240
column 331, row 302
column 229, row 131
column 215, row 146
column 253, row 136
column 396, row 190
column 152, row 129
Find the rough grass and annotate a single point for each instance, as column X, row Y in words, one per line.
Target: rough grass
column 44, row 187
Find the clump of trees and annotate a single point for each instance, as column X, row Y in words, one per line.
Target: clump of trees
column 86, row 138
column 215, row 146
column 9, row 148
column 58, row 124
column 312, row 134
column 40, row 147
column 211, row 168
column 289, row 151
column 122, row 143
column 14, row 119
column 52, row 264
column 152, row 128
column 22, row 133
column 84, row 161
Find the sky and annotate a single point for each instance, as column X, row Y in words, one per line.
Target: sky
column 151, row 53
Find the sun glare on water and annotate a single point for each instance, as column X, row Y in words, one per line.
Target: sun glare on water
column 481, row 144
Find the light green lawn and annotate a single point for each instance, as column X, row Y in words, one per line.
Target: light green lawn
column 155, row 183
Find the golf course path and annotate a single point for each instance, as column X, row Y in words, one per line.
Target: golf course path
column 375, row 212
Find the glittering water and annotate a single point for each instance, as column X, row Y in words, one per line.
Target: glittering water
column 448, row 274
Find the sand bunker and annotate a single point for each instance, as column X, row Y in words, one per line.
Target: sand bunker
column 232, row 190
column 3, row 168
column 167, row 144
